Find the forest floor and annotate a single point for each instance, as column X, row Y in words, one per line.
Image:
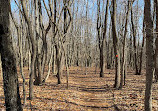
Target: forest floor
column 87, row 93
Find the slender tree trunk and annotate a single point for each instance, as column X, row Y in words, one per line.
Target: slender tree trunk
column 20, row 41
column 103, row 41
column 41, row 58
column 53, row 40
column 33, row 44
column 21, row 65
column 99, row 39
column 124, row 49
column 156, row 43
column 141, row 53
column 49, row 66
column 38, row 78
column 134, row 44
column 130, row 52
column 58, row 60
column 115, row 44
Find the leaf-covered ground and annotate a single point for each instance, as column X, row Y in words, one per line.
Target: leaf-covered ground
column 87, row 92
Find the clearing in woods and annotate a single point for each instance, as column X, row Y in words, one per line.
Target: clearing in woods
column 87, row 92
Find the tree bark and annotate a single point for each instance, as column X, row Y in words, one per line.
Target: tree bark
column 156, row 43
column 149, row 53
column 10, row 77
column 134, row 44
column 115, row 45
column 124, row 49
column 20, row 39
column 141, row 53
column 33, row 44
column 103, row 41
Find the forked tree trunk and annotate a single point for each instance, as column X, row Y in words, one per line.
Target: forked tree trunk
column 124, row 49
column 33, row 46
column 10, row 77
column 149, row 53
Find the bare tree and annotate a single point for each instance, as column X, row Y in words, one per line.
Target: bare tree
column 134, row 42
column 102, row 35
column 123, row 63
column 20, row 39
column 115, row 45
column 137, row 56
column 33, row 45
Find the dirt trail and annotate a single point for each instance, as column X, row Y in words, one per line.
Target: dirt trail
column 87, row 93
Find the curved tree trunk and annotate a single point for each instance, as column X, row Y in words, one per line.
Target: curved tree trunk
column 33, row 45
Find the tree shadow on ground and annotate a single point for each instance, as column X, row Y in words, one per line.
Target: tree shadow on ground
column 115, row 106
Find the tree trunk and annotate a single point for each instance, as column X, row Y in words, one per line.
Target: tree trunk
column 141, row 53
column 115, row 45
column 149, row 53
column 124, row 49
column 99, row 38
column 134, row 44
column 49, row 65
column 58, row 61
column 103, row 41
column 53, row 40
column 33, row 44
column 10, row 77
column 156, row 43
column 20, row 42
column 21, row 65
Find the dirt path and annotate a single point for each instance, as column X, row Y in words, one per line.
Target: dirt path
column 88, row 93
